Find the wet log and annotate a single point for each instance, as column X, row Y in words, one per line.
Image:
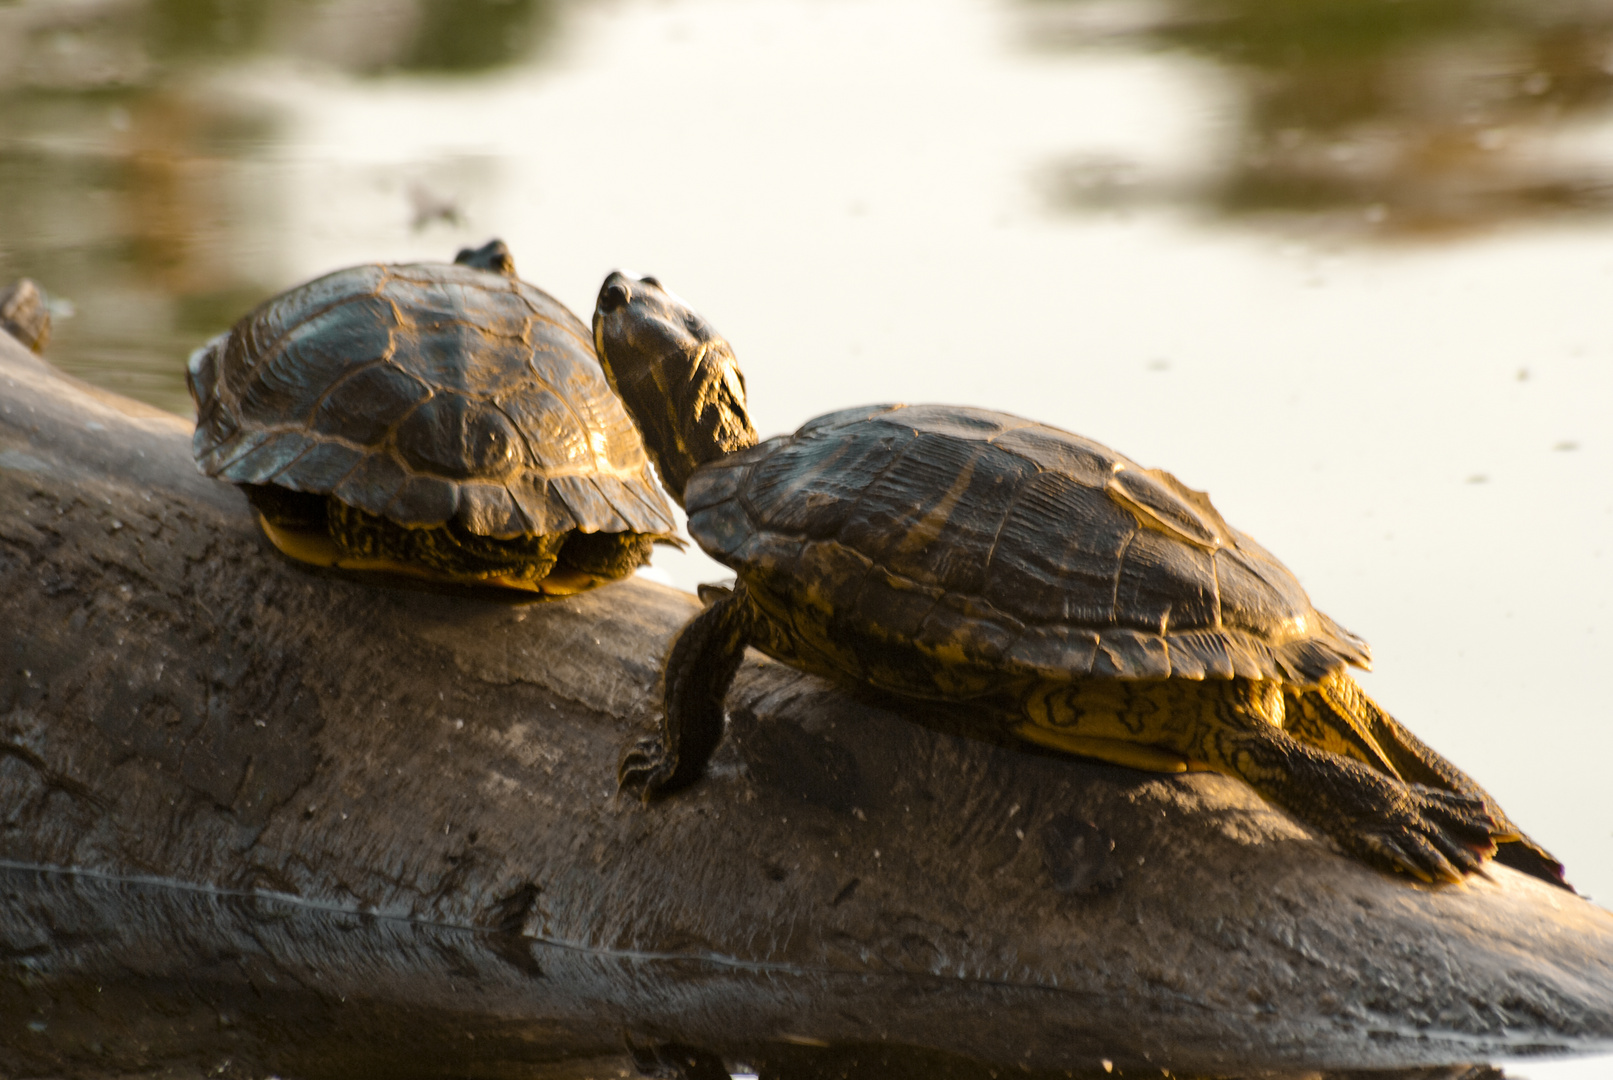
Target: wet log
column 258, row 819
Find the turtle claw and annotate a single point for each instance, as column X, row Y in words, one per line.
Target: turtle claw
column 646, row 765
column 1433, row 835
column 1386, row 854
column 1434, row 862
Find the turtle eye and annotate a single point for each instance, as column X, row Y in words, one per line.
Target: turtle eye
column 613, row 296
column 651, row 280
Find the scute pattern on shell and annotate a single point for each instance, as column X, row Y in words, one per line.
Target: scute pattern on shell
column 939, row 548
column 355, row 385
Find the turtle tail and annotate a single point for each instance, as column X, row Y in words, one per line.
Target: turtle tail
column 1338, row 715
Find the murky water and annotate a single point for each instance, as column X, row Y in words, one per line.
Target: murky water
column 1344, row 265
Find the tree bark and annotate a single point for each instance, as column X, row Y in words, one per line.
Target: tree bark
column 258, row 819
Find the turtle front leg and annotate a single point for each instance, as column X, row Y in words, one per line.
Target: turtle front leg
column 1430, row 834
column 700, row 667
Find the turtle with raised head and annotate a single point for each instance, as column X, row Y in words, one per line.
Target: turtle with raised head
column 448, row 422
column 1080, row 601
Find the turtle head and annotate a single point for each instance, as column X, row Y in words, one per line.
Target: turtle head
column 676, row 374
column 493, row 255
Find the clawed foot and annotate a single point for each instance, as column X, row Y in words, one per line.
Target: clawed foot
column 1430, row 834
column 647, row 766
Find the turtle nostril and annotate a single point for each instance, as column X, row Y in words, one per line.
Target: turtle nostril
column 613, row 296
column 649, row 279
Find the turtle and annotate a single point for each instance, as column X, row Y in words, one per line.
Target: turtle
column 442, row 421
column 25, row 314
column 1065, row 595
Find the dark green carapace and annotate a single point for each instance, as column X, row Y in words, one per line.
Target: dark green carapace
column 1080, row 601
column 443, row 421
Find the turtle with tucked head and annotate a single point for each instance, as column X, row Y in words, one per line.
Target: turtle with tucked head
column 1077, row 600
column 447, row 422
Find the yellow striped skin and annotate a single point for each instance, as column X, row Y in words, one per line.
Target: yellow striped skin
column 317, row 548
column 1166, row 725
column 1060, row 590
column 1323, row 750
column 1161, row 725
column 1178, row 718
column 1173, row 718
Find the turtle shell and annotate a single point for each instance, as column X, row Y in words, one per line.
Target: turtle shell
column 426, row 394
column 938, row 549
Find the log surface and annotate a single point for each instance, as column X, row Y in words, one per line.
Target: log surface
column 256, row 818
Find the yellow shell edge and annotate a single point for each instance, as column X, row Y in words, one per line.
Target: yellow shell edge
column 318, row 549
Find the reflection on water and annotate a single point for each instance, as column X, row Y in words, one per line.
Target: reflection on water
column 135, row 43
column 134, row 168
column 130, row 168
column 1388, row 117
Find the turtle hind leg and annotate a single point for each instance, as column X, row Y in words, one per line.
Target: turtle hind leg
column 1432, row 834
column 604, row 554
column 1312, row 718
column 1418, row 763
column 700, row 667
column 296, row 522
column 371, row 542
column 295, row 510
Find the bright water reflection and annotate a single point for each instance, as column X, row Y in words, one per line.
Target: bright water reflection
column 1342, row 264
column 1393, row 119
column 1578, row 1069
